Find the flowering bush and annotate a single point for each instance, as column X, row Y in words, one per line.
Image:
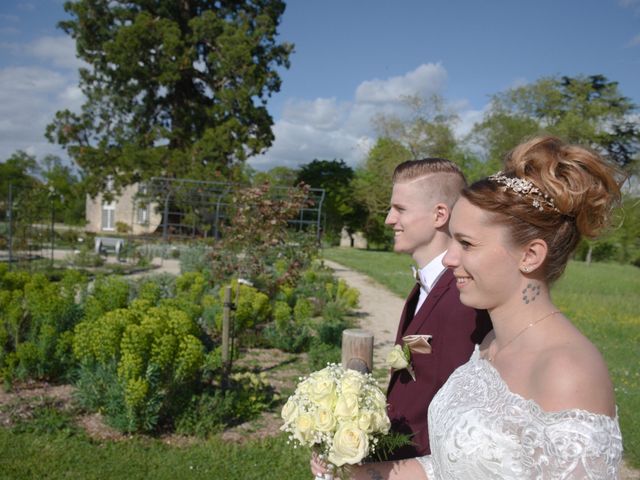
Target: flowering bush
column 340, row 412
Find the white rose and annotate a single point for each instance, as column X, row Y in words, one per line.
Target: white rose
column 381, row 422
column 378, row 400
column 396, row 358
column 347, row 406
column 304, row 428
column 289, row 411
column 366, row 421
column 350, row 445
column 352, row 382
column 322, row 391
column 325, row 421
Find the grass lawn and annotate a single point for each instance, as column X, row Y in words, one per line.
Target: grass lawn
column 55, row 456
column 602, row 300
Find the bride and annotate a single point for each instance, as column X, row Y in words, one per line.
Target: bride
column 535, row 400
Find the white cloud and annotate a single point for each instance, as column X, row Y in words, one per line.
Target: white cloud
column 29, row 98
column 425, row 80
column 325, row 128
column 323, row 113
column 634, row 42
column 60, row 51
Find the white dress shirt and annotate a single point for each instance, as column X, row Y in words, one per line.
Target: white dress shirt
column 429, row 275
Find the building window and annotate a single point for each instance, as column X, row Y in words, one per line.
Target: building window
column 142, row 212
column 108, row 216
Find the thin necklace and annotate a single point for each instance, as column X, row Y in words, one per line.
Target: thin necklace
column 493, row 357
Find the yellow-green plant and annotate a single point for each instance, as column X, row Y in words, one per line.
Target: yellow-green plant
column 155, row 352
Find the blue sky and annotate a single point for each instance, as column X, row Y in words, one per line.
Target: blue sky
column 353, row 59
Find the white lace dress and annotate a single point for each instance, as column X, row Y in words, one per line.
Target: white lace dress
column 480, row 430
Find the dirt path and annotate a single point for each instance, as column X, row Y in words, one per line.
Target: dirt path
column 380, row 311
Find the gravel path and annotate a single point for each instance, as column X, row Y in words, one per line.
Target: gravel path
column 379, row 310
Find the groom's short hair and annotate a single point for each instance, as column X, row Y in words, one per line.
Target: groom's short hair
column 441, row 179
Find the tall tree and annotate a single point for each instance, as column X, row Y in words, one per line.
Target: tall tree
column 589, row 110
column 340, row 208
column 20, row 171
column 372, row 186
column 428, row 130
column 65, row 189
column 176, row 89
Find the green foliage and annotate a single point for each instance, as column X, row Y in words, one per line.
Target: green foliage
column 158, row 358
column 322, row 353
column 109, row 293
column 36, row 319
column 252, row 307
column 45, row 418
column 372, row 186
column 175, row 92
column 588, row 110
column 247, row 395
column 340, row 207
column 194, row 258
column 258, row 237
column 291, row 338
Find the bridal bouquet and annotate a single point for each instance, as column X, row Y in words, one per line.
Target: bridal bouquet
column 339, row 412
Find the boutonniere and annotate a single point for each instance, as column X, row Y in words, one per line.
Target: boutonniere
column 399, row 358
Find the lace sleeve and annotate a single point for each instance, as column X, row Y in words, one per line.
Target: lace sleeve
column 578, row 445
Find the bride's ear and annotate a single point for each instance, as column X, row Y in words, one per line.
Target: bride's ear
column 533, row 255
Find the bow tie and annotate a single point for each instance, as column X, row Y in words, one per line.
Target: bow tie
column 416, row 275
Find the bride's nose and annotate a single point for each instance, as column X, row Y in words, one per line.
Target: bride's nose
column 451, row 258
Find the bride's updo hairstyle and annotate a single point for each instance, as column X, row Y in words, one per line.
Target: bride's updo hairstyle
column 553, row 191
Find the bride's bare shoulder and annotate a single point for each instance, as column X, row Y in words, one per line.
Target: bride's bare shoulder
column 573, row 375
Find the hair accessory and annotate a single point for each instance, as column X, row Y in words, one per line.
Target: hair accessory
column 524, row 187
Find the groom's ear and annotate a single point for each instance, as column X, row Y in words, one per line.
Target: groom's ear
column 441, row 214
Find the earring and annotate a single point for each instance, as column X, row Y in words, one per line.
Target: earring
column 525, row 269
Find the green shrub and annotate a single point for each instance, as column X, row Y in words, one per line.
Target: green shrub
column 252, row 307
column 158, row 359
column 35, row 325
column 246, row 396
column 108, row 294
column 194, row 258
column 303, row 310
column 46, row 418
column 294, row 338
column 281, row 315
column 321, row 353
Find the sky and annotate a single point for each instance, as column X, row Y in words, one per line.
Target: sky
column 353, row 60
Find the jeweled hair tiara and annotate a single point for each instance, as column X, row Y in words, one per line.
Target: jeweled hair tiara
column 524, row 187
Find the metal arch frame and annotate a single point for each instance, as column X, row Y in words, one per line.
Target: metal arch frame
column 162, row 187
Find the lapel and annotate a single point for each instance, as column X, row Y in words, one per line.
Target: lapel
column 436, row 293
column 407, row 313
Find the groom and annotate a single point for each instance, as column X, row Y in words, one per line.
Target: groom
column 424, row 192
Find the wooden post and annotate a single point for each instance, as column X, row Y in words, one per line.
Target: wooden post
column 226, row 337
column 357, row 350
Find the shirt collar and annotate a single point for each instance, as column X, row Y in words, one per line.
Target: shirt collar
column 431, row 272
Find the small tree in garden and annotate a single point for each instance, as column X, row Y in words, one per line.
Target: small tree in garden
column 257, row 243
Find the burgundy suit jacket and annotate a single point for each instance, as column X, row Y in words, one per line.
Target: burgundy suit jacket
column 455, row 330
